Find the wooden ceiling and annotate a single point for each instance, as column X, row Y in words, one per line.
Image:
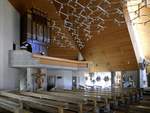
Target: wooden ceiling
column 109, row 50
column 44, row 5
column 66, row 53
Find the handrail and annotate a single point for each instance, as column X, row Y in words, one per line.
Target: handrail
column 59, row 59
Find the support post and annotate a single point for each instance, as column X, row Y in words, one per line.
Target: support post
column 61, row 110
column 81, row 108
column 29, row 80
column 112, row 79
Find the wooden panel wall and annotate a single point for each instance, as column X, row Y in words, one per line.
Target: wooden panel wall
column 111, row 49
column 66, row 53
column 60, row 62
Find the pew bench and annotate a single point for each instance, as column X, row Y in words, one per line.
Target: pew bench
column 78, row 105
column 97, row 101
column 12, row 106
column 41, row 104
column 145, row 103
column 92, row 99
column 139, row 109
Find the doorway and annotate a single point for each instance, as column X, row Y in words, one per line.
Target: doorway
column 74, row 82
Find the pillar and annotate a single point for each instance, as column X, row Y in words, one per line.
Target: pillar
column 29, row 80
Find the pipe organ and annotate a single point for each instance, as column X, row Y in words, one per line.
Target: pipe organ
column 35, row 30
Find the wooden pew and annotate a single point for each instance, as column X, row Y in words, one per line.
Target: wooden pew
column 96, row 100
column 111, row 98
column 139, row 109
column 131, row 94
column 145, row 103
column 95, row 95
column 74, row 104
column 12, row 106
column 41, row 104
column 124, row 96
column 107, row 97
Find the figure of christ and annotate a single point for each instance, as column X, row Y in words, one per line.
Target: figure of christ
column 39, row 79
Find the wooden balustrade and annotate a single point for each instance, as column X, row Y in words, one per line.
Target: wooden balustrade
column 60, row 62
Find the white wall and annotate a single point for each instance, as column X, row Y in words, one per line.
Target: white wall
column 9, row 33
column 60, row 82
column 65, row 82
column 1, row 51
column 67, row 79
column 80, row 77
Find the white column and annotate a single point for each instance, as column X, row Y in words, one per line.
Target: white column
column 44, row 86
column 23, row 78
column 29, row 79
column 143, row 78
column 135, row 39
column 1, row 44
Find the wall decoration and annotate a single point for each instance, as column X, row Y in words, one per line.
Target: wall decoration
column 118, row 79
column 98, row 78
column 39, row 79
column 130, row 79
column 93, row 81
column 106, row 78
column 91, row 75
column 86, row 78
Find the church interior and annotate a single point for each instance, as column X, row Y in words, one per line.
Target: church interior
column 74, row 56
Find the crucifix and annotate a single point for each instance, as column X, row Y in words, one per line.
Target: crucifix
column 39, row 79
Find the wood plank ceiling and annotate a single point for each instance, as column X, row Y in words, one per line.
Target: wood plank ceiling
column 109, row 47
column 44, row 5
column 111, row 50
